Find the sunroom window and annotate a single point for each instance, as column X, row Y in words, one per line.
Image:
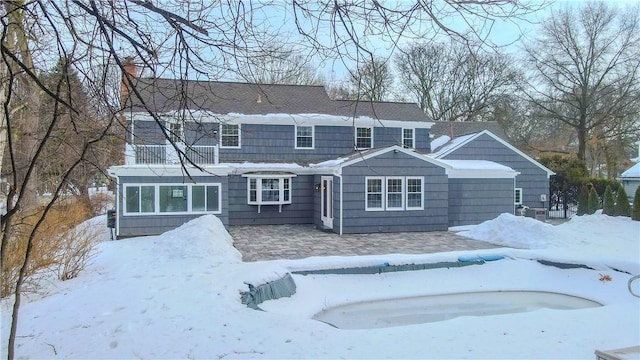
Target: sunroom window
column 167, row 199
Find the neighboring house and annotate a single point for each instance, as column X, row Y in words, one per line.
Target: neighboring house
column 630, row 179
column 288, row 154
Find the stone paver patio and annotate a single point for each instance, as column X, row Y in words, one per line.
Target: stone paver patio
column 271, row 242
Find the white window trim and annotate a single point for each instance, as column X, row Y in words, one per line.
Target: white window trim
column 402, row 193
column 355, row 137
column 382, row 193
column 156, row 200
column 413, row 137
column 313, row 137
column 239, row 137
column 421, row 207
column 385, row 193
column 515, row 191
column 258, row 178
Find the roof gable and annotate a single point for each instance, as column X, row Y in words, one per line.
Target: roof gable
column 632, row 172
column 371, row 153
column 464, row 140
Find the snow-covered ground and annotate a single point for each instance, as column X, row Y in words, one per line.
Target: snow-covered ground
column 177, row 295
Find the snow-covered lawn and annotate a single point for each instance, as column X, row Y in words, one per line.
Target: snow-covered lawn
column 177, row 295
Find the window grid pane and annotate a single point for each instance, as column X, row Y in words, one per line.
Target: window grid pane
column 407, row 138
column 394, row 193
column 414, row 193
column 270, row 190
column 363, row 138
column 230, row 135
column 304, row 137
column 374, row 194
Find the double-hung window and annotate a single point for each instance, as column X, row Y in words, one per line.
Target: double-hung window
column 172, row 199
column 364, row 138
column 415, row 193
column 394, row 193
column 374, row 198
column 304, row 137
column 408, row 138
column 229, row 136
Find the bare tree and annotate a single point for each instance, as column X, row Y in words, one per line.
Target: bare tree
column 586, row 70
column 195, row 40
column 277, row 65
column 451, row 82
column 372, row 80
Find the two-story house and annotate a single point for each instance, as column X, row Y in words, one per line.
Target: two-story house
column 288, row 154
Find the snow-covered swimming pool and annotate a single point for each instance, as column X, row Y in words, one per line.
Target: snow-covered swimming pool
column 432, row 308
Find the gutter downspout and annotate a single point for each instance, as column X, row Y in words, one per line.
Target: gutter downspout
column 338, row 174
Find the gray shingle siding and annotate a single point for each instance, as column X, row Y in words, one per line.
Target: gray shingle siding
column 532, row 179
column 273, row 143
column 134, row 225
column 357, row 220
column 472, row 201
column 300, row 211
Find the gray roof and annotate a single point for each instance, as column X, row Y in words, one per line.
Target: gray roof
column 455, row 129
column 163, row 95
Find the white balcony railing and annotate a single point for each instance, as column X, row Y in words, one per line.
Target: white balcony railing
column 164, row 154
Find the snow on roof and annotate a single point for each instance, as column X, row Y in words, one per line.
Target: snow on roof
column 328, row 163
column 476, row 165
column 252, row 165
column 439, row 141
column 450, row 145
column 633, row 172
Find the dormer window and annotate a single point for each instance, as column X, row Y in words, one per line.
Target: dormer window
column 229, row 136
column 304, row 137
column 364, row 138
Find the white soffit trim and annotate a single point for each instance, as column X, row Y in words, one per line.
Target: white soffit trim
column 167, row 170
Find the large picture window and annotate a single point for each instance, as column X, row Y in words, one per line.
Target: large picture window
column 304, row 137
column 172, row 198
column 229, row 136
column 364, row 138
column 394, row 193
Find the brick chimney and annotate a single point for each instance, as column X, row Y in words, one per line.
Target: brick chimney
column 131, row 70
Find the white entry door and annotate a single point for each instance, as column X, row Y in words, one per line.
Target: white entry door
column 326, row 209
